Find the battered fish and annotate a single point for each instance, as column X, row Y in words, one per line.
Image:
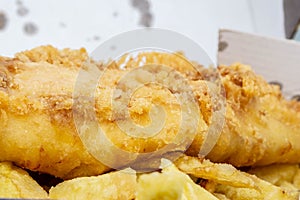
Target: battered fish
column 38, row 130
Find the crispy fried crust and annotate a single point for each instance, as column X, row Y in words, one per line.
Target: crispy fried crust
column 261, row 126
column 36, row 119
column 38, row 130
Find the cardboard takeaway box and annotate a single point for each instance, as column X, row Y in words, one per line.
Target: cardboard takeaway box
column 277, row 60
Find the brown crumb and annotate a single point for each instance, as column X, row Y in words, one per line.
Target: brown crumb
column 143, row 6
column 22, row 11
column 222, row 46
column 115, row 14
column 30, row 28
column 146, row 19
column 3, row 20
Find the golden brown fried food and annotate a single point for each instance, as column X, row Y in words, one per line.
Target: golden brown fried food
column 286, row 176
column 195, row 179
column 261, row 126
column 231, row 182
column 35, row 101
column 16, row 183
column 168, row 185
column 38, row 130
column 111, row 186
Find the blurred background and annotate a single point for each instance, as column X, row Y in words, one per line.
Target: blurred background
column 25, row 24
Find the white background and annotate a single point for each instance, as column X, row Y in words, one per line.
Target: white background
column 78, row 23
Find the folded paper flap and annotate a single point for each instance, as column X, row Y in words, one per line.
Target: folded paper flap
column 276, row 60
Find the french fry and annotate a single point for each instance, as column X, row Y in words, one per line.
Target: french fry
column 232, row 182
column 115, row 185
column 285, row 176
column 170, row 184
column 16, row 183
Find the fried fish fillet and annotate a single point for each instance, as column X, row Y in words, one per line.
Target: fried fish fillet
column 261, row 127
column 37, row 131
column 37, row 112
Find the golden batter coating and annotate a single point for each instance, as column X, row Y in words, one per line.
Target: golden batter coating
column 261, row 127
column 38, row 130
column 35, row 102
